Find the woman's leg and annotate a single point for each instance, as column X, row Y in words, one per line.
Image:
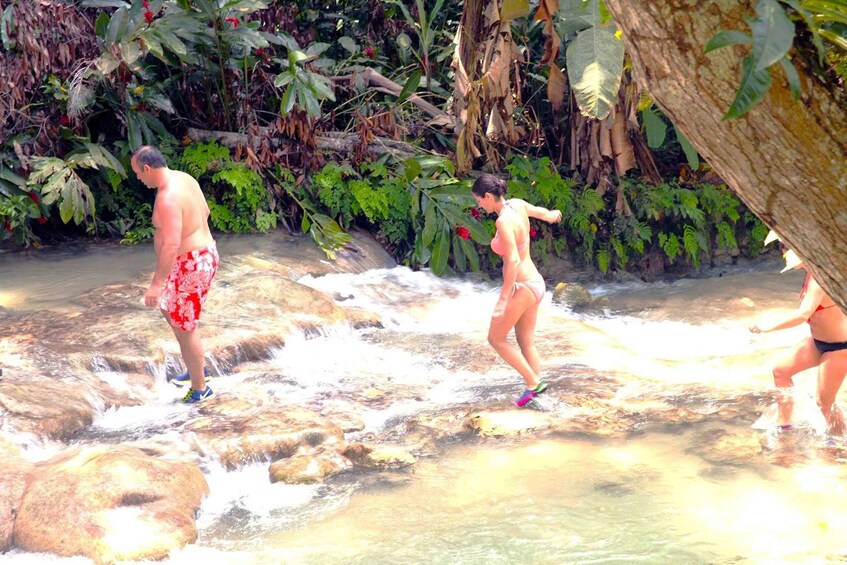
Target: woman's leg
column 518, row 304
column 802, row 356
column 525, row 334
column 833, row 367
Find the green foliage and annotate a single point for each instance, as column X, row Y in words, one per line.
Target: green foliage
column 16, row 212
column 237, row 197
column 772, row 34
column 692, row 220
column 59, row 180
column 595, row 56
column 304, row 88
column 198, row 158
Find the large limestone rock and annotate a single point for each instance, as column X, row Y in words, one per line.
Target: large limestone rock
column 110, row 503
column 572, row 294
column 13, row 479
column 245, row 428
column 507, row 423
column 307, row 468
column 44, row 406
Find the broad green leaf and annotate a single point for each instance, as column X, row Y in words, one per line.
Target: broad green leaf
column 595, row 63
column 283, row 78
column 13, row 178
column 430, row 225
column 411, row 169
column 726, row 38
column 153, row 45
column 773, row 34
column 107, row 63
column 133, row 131
column 305, row 224
column 478, row 233
column 295, row 57
column 317, row 49
column 307, row 100
column 288, row 99
column 459, row 254
column 104, row 4
column 245, row 6
column 161, row 102
column 512, row 10
column 792, row 76
column 348, row 44
column 689, row 150
column 321, row 86
column 66, row 205
column 172, row 42
column 754, row 86
column 130, row 52
column 470, row 253
column 812, row 26
column 440, row 250
column 116, row 26
column 655, row 128
column 101, row 25
column 411, row 85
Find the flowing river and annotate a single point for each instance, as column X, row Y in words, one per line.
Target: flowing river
column 675, row 458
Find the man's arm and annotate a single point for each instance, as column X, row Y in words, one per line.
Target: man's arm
column 170, row 237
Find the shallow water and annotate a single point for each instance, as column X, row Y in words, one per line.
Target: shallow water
column 657, row 497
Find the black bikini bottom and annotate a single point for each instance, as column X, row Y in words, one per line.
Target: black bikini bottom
column 826, row 347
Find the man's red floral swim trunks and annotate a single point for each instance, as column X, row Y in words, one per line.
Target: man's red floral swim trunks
column 188, row 282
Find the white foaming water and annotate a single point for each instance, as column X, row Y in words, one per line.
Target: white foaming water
column 248, row 489
column 415, row 301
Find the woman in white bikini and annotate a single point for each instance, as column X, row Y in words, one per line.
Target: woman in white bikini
column 825, row 348
column 523, row 286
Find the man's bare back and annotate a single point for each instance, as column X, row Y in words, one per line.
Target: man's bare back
column 182, row 193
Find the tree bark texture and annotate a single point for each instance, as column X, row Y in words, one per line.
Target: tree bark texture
column 785, row 160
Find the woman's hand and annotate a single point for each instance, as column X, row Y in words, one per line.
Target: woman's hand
column 553, row 217
column 755, row 329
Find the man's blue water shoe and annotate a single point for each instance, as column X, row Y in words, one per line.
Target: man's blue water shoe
column 195, row 396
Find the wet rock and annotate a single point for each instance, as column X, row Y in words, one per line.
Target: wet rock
column 13, row 480
column 360, row 318
column 508, row 423
column 110, row 503
column 44, row 406
column 241, row 429
column 378, row 457
column 305, row 468
column 571, row 294
column 722, row 447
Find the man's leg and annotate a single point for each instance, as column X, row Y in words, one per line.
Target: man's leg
column 193, row 356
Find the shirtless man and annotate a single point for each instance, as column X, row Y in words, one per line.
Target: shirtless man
column 187, row 260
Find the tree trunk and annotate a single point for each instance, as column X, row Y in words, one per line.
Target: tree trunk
column 785, row 160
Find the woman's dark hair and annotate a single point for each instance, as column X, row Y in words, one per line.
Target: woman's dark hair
column 147, row 155
column 489, row 183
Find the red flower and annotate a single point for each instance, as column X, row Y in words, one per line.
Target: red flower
column 532, row 233
column 34, row 196
column 8, row 226
column 463, row 232
column 475, row 213
column 233, row 21
column 146, row 5
column 369, row 52
column 260, row 52
column 64, row 121
column 41, row 220
column 148, row 16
